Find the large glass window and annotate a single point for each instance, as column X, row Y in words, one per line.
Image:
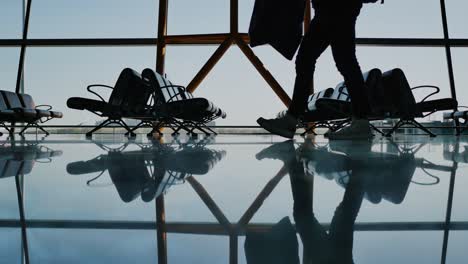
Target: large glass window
column 94, row 19
column 457, row 19
column 460, row 63
column 11, row 13
column 196, row 17
column 9, row 67
column 52, row 75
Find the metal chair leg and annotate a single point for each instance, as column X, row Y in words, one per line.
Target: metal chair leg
column 25, row 128
column 377, row 130
column 129, row 130
column 418, row 125
column 103, row 124
column 42, row 129
column 397, row 125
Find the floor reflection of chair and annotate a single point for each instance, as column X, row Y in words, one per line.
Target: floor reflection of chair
column 150, row 171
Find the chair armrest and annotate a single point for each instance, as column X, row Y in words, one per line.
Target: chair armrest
column 98, row 85
column 174, row 86
column 173, row 97
column 49, row 107
column 182, row 90
column 437, row 90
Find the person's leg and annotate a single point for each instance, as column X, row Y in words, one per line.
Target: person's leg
column 313, row 44
column 343, row 45
column 342, row 225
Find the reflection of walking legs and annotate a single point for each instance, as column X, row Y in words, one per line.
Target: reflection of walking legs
column 342, row 225
column 314, row 237
column 320, row 246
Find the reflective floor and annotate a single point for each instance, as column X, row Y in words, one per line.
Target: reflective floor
column 233, row 199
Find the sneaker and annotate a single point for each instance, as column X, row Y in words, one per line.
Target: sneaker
column 282, row 126
column 358, row 129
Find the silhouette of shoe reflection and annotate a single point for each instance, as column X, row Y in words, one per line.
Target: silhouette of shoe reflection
column 151, row 171
column 16, row 159
column 363, row 172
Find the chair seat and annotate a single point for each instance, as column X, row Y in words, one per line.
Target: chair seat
column 26, row 113
column 79, row 103
column 437, row 105
column 8, row 115
column 336, row 107
column 195, row 109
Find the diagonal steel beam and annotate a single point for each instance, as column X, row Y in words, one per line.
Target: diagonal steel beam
column 209, row 65
column 261, row 197
column 206, row 198
column 257, row 63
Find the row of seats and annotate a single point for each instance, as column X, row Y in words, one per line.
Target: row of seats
column 22, row 108
column 152, row 99
column 390, row 96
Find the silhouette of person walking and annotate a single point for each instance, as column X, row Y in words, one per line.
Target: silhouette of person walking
column 333, row 25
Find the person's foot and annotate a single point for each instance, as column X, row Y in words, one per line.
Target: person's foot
column 358, row 129
column 284, row 126
column 284, row 151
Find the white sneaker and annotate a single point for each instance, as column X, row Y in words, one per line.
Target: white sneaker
column 284, row 126
column 358, row 129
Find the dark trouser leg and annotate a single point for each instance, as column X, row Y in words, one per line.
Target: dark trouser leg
column 314, row 43
column 343, row 45
column 342, row 225
column 313, row 235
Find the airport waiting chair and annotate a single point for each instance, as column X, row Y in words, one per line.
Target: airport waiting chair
column 404, row 105
column 181, row 107
column 22, row 108
column 458, row 116
column 128, row 99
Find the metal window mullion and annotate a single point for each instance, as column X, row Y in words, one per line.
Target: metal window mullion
column 23, row 46
column 448, row 49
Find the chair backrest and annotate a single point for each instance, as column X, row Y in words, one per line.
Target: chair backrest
column 12, row 100
column 3, row 103
column 27, row 101
column 164, row 89
column 378, row 102
column 398, row 90
column 129, row 174
column 119, row 95
column 128, row 90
